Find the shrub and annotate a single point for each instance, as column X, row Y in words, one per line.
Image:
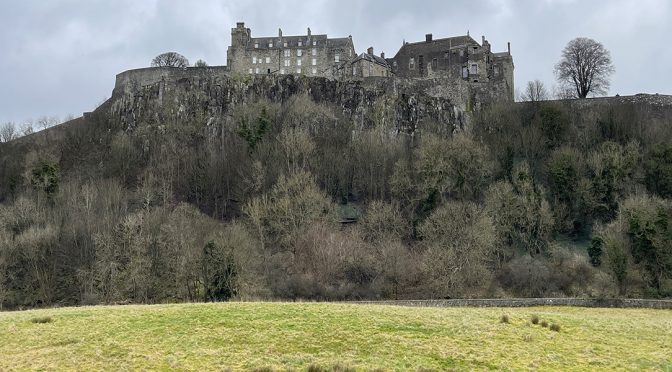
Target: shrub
column 535, row 319
column 504, row 319
column 555, row 327
column 42, row 319
column 544, row 323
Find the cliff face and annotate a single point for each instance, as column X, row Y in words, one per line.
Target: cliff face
column 406, row 104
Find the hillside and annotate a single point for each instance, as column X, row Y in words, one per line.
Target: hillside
column 200, row 185
column 282, row 336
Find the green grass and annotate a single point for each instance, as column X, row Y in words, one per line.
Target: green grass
column 296, row 336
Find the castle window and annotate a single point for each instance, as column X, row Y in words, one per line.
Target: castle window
column 288, row 63
column 394, row 63
column 254, row 60
column 298, row 61
column 298, row 70
column 270, row 44
column 299, row 52
column 314, row 61
column 300, row 43
column 411, row 64
column 314, row 42
column 461, row 53
column 314, row 71
column 256, row 70
column 282, row 71
column 474, row 69
column 251, row 71
column 285, row 44
column 496, row 70
column 446, row 55
column 268, row 59
column 314, row 52
column 256, row 45
column 288, row 52
column 435, row 64
column 337, row 58
column 465, row 72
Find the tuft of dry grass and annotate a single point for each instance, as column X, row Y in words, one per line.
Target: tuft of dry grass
column 544, row 323
column 504, row 319
column 42, row 319
column 555, row 327
column 535, row 319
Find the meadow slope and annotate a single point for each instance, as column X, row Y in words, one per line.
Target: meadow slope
column 243, row 336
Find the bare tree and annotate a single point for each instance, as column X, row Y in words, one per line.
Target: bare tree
column 170, row 59
column 45, row 122
column 27, row 128
column 8, row 132
column 201, row 63
column 586, row 66
column 535, row 91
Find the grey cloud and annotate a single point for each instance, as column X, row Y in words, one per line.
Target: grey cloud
column 61, row 56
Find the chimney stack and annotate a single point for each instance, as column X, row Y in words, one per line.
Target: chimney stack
column 382, row 55
column 428, row 38
column 482, row 39
column 308, row 31
column 370, row 51
column 508, row 45
column 279, row 32
column 240, row 25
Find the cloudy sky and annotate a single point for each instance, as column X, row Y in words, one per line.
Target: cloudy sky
column 60, row 57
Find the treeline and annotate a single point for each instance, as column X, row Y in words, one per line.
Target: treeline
column 297, row 200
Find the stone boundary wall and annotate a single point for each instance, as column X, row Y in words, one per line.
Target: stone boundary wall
column 657, row 100
column 138, row 78
column 526, row 302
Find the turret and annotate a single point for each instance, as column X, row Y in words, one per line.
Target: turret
column 240, row 35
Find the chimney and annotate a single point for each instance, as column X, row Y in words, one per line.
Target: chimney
column 482, row 39
column 279, row 32
column 308, row 31
column 240, row 25
column 508, row 45
column 428, row 38
column 369, row 51
column 382, row 55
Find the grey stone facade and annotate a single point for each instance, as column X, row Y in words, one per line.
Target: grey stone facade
column 368, row 65
column 310, row 55
column 457, row 58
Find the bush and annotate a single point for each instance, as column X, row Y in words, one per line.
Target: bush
column 555, row 327
column 535, row 319
column 544, row 323
column 504, row 319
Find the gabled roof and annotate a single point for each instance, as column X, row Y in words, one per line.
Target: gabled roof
column 371, row 58
column 439, row 44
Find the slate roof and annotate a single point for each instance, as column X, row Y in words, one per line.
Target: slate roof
column 421, row 47
column 372, row 58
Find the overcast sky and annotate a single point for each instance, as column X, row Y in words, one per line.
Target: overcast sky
column 60, row 57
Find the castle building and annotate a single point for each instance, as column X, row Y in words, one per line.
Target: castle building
column 459, row 57
column 368, row 64
column 310, row 55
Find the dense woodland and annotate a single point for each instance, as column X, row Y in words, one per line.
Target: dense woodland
column 295, row 200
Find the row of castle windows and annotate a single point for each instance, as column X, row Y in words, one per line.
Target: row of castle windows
column 337, row 58
column 285, row 44
column 473, row 68
column 282, row 71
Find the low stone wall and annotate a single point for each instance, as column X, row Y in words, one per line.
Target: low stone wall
column 526, row 302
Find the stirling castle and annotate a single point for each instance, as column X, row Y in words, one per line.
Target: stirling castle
column 460, row 58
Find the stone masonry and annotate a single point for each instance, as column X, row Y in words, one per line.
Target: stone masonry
column 310, row 55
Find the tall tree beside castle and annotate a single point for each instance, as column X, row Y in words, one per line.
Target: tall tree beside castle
column 585, row 66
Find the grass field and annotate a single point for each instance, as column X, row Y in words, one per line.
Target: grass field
column 297, row 336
